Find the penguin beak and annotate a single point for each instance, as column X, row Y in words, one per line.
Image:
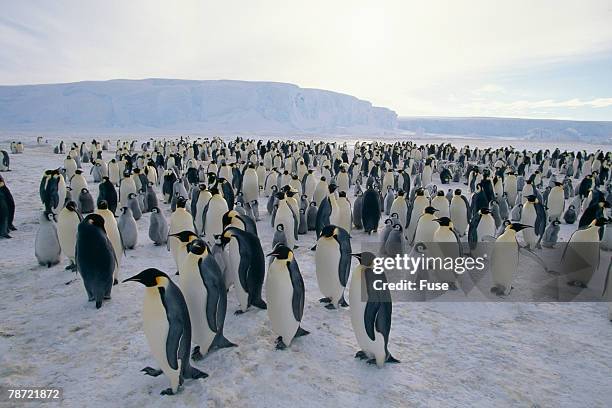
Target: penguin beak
column 272, row 254
column 356, row 256
column 134, row 278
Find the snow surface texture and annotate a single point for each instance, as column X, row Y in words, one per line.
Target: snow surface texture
column 453, row 354
column 186, row 105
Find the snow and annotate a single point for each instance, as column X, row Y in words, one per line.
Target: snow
column 453, row 354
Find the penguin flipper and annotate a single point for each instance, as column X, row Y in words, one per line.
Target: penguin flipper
column 214, row 302
column 297, row 302
column 369, row 318
column 176, row 325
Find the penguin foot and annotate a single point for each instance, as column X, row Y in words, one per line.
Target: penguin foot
column 7, row 236
column 325, row 300
column 12, row 228
column 330, row 306
column 371, row 361
column 221, row 342
column 238, row 312
column 361, row 355
column 197, row 374
column 343, row 302
column 260, row 304
column 301, row 332
column 280, row 345
column 391, row 359
column 167, row 391
column 177, row 273
column 115, row 282
column 98, row 304
column 71, row 267
column 107, row 297
column 577, row 284
column 314, row 248
column 151, row 371
column 196, row 354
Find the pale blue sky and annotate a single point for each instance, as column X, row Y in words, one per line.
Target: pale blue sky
column 527, row 58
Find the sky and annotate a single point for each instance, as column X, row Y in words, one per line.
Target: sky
column 510, row 58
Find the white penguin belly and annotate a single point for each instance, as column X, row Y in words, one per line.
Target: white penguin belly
column 528, row 217
column 327, row 259
column 196, row 296
column 285, row 217
column 504, row 261
column 279, row 297
column 357, row 309
column 156, row 331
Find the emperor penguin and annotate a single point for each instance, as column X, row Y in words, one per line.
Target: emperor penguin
column 311, row 216
column 243, row 222
column 426, row 226
column 371, row 312
column 327, row 207
column 370, row 216
column 47, row 246
column 178, row 243
column 134, row 205
column 505, row 259
column 285, row 294
column 446, row 244
column 556, row 202
column 533, row 214
column 583, row 248
column 418, row 207
column 286, row 216
column 213, row 215
column 107, row 192
column 511, row 186
column 95, row 259
column 127, row 186
column 389, row 198
column 7, row 210
column 551, row 234
column 482, row 226
column 333, row 263
column 279, row 235
column 202, row 284
column 358, row 211
column 158, row 227
column 128, row 228
column 342, row 216
column 86, row 203
column 441, row 204
column 67, row 224
column 400, row 207
column 112, row 231
column 246, row 263
column 167, row 328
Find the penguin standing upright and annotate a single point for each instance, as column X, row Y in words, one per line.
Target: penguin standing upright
column 285, row 215
column 167, row 328
column 158, row 227
column 533, row 214
column 107, row 192
column 67, row 225
column 333, row 263
column 583, row 248
column 213, row 215
column 555, row 202
column 112, row 231
column 285, row 293
column 246, row 264
column 370, row 318
column 505, row 258
column 95, row 258
column 7, row 210
column 202, row 284
column 370, row 216
column 47, row 247
column 551, row 234
column 128, row 228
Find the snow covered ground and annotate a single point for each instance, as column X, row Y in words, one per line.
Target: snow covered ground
column 452, row 354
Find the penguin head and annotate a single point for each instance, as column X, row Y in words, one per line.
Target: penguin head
column 313, row 204
column 84, row 191
column 155, row 210
column 517, row 226
column 532, row 198
column 444, row 222
column 332, row 187
column 185, row 236
column 388, row 221
column 556, row 222
column 397, row 227
column 96, row 220
column 430, row 210
column 328, row 231
column 197, row 247
column 281, row 252
column 484, row 211
column 71, row 206
column 131, row 195
column 604, row 204
column 440, row 193
column 280, row 227
column 102, row 205
column 365, row 258
column 151, row 278
column 49, row 216
column 400, row 193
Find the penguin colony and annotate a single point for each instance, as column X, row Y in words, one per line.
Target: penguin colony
column 214, row 188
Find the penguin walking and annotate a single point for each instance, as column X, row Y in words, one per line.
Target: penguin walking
column 167, row 328
column 47, row 246
column 158, row 227
column 95, row 258
column 67, row 224
column 285, row 292
column 202, row 284
column 370, row 318
column 333, row 263
column 128, row 228
column 246, row 265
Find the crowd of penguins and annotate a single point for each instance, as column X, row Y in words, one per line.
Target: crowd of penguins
column 214, row 189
